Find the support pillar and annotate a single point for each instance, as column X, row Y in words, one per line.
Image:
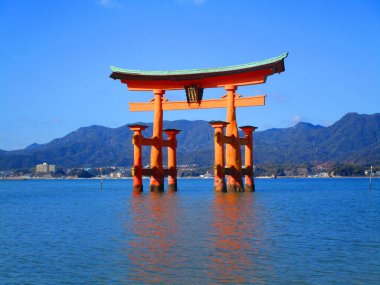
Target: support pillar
column 233, row 153
column 248, row 158
column 172, row 159
column 137, row 156
column 157, row 177
column 219, row 174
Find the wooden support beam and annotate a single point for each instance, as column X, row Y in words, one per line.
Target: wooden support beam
column 232, row 139
column 153, row 141
column 205, row 104
column 146, row 141
column 243, row 141
column 167, row 143
column 229, row 139
column 147, row 171
column 229, row 171
column 168, row 172
column 247, row 171
column 244, row 170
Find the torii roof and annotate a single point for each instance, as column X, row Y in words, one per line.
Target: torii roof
column 243, row 74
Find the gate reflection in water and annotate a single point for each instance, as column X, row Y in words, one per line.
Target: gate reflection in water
column 234, row 229
column 155, row 225
column 214, row 241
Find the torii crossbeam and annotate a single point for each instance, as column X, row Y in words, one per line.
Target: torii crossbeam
column 194, row 81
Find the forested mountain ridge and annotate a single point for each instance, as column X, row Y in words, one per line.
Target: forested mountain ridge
column 354, row 138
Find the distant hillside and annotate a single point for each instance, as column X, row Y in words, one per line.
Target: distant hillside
column 354, row 138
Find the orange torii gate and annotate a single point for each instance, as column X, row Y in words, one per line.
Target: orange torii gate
column 194, row 81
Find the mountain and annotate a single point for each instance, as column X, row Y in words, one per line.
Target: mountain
column 100, row 146
column 354, row 138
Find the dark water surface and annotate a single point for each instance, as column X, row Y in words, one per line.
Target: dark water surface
column 290, row 231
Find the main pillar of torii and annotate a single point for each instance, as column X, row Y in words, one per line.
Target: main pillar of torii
column 194, row 81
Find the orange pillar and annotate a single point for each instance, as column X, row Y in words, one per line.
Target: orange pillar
column 233, row 153
column 137, row 156
column 157, row 178
column 219, row 176
column 248, row 157
column 172, row 159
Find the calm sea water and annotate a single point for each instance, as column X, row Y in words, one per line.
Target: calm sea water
column 290, row 231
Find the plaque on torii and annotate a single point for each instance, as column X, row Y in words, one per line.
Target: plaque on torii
column 193, row 82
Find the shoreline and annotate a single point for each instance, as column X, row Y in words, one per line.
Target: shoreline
column 22, row 178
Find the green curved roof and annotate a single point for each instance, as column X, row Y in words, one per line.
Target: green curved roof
column 200, row 70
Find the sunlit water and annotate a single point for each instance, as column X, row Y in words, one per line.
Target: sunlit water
column 290, row 231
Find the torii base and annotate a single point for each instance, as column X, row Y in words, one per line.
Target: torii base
column 156, row 185
column 156, row 188
column 249, row 184
column 219, row 185
column 234, row 175
column 138, row 188
column 235, row 188
column 157, row 173
column 172, row 187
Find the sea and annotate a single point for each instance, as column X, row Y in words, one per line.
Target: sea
column 290, row 231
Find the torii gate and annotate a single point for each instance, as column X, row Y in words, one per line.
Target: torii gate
column 194, row 81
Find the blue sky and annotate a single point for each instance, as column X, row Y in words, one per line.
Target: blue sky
column 55, row 58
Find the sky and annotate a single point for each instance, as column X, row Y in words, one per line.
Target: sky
column 55, row 58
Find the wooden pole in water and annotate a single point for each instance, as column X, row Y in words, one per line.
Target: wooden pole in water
column 248, row 158
column 157, row 177
column 219, row 173
column 101, row 179
column 137, row 156
column 233, row 153
column 172, row 159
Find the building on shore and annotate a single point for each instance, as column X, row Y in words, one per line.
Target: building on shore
column 45, row 168
column 116, row 175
